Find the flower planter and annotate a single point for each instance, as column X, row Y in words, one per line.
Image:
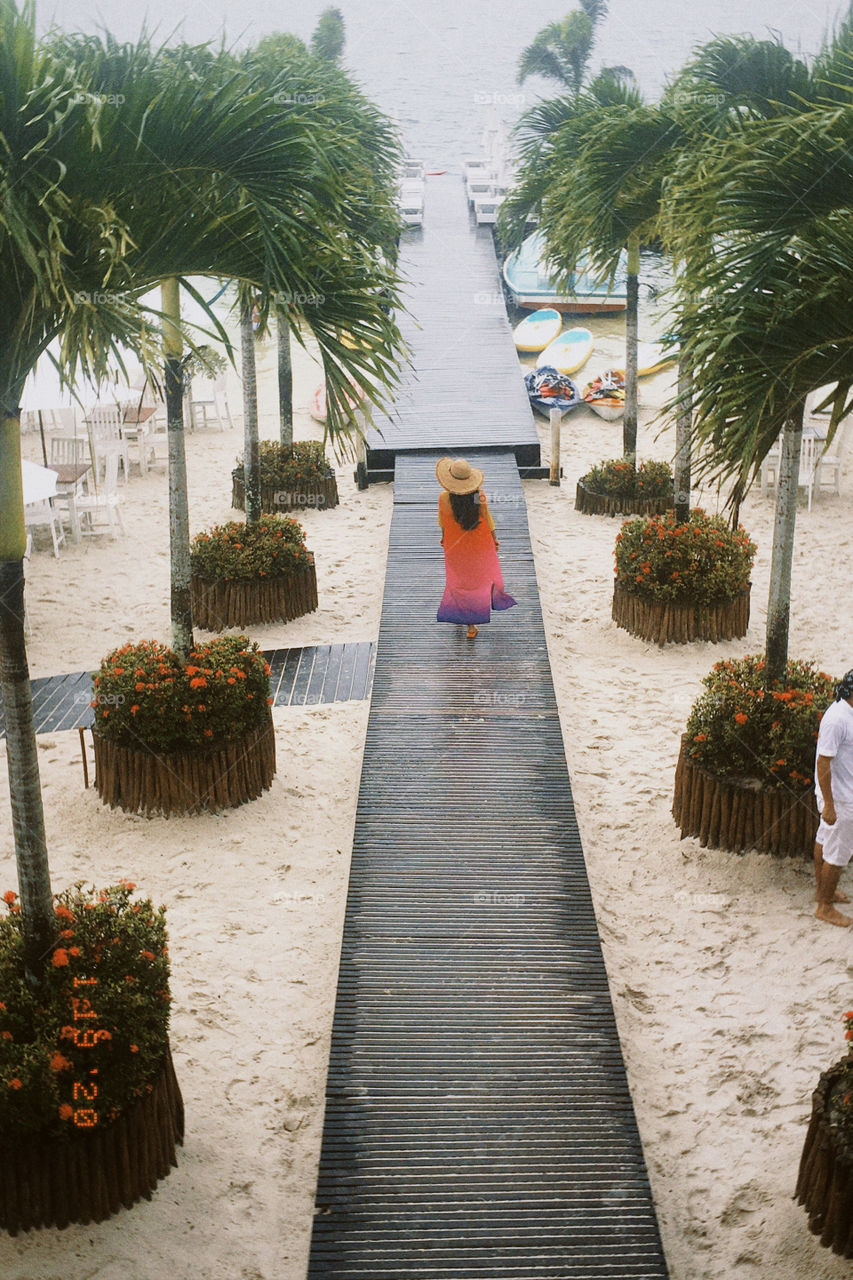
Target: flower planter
column 320, row 494
column 221, row 777
column 740, row 816
column 237, row 602
column 600, row 504
column 825, row 1179
column 88, row 1175
column 662, row 621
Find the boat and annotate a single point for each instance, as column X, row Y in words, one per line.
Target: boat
column 532, row 284
column 487, row 204
column 537, row 330
column 548, row 389
column 605, row 394
column 652, row 356
column 568, row 352
column 410, row 192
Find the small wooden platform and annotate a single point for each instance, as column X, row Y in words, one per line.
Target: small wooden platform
column 478, row 1119
column 465, row 388
column 298, row 677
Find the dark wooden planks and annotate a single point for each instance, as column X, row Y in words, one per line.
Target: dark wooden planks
column 465, row 386
column 298, row 677
column 478, row 1120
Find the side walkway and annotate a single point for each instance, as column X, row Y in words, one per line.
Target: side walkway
column 478, row 1120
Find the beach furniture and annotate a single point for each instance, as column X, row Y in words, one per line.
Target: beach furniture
column 39, row 488
column 103, row 423
column 96, row 510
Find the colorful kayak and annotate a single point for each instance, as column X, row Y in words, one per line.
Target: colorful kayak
column 537, row 330
column 652, row 356
column 606, row 394
column 548, row 389
column 568, row 352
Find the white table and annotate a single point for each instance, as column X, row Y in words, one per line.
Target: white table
column 39, row 485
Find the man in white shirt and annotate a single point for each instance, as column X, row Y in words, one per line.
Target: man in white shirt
column 834, row 794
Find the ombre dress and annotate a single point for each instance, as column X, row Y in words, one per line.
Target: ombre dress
column 475, row 584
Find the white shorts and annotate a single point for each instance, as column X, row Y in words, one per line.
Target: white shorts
column 837, row 840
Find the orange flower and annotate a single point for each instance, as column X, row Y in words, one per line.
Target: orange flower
column 68, row 1033
column 59, row 1063
column 148, row 955
column 74, row 951
column 9, row 896
column 15, row 1083
column 198, row 682
column 6, row 1035
column 62, row 911
column 231, row 680
column 66, row 1111
column 60, row 957
column 134, row 708
column 134, row 1048
column 741, row 717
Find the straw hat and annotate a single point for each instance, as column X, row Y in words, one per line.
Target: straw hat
column 458, row 476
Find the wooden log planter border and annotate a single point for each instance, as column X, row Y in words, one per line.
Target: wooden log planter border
column 88, row 1176
column 825, row 1179
column 601, row 504
column 219, row 603
column 661, row 621
column 737, row 817
column 319, row 494
column 178, row 782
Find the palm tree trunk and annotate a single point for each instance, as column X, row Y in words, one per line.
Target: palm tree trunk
column 683, row 425
column 251, row 453
column 629, row 425
column 779, row 602
column 37, row 917
column 285, row 381
column 179, row 518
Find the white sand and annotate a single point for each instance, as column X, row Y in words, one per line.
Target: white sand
column 727, row 992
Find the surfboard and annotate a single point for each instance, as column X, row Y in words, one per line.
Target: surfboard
column 537, row 330
column 568, row 352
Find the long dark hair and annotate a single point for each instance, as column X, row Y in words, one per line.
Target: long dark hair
column 466, row 508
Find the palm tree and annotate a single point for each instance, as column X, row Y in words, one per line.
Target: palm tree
column 233, row 187
column 329, row 36
column 765, row 230
column 561, row 51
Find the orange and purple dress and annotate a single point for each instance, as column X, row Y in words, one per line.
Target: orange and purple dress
column 474, row 582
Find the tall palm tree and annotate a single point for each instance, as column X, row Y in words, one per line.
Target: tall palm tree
column 329, row 36
column 765, row 229
column 561, row 50
column 232, row 186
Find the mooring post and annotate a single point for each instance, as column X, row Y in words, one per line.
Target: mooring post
column 556, row 417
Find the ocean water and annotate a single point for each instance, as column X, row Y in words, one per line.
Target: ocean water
column 440, row 67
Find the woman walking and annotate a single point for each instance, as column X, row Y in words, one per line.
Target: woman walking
column 474, row 583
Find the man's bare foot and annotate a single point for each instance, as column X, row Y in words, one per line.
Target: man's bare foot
column 472, row 631
column 826, row 912
column 840, row 896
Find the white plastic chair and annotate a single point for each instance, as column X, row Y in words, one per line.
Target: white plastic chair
column 105, row 504
column 808, row 465
column 69, row 449
column 832, row 461
column 104, row 422
column 40, row 514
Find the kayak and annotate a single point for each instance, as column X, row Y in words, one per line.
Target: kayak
column 605, row 394
column 568, row 352
column 537, row 330
column 548, row 389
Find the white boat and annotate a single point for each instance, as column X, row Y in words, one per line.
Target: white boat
column 488, row 203
column 531, row 282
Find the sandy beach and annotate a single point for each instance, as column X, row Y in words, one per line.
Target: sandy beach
column 727, row 992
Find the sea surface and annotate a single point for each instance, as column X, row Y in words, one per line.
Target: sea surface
column 441, row 67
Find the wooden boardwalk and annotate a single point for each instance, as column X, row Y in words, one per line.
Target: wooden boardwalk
column 298, row 677
column 478, row 1119
column 465, row 388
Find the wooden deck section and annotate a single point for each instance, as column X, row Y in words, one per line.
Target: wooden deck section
column 465, row 388
column 298, row 677
column 478, row 1119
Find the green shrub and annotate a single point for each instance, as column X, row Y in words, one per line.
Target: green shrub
column 269, row 547
column 699, row 562
column 145, row 696
column 737, row 729
column 290, row 467
column 85, row 1045
column 617, row 478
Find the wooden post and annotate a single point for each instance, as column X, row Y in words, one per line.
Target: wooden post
column 555, row 417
